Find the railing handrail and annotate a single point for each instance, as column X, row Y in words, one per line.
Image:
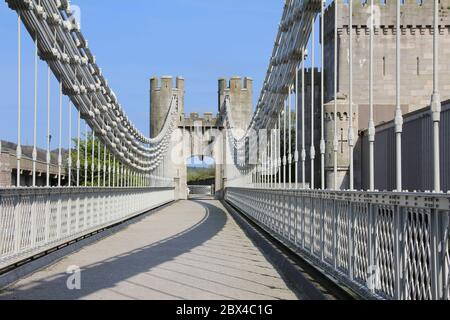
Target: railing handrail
column 427, row 200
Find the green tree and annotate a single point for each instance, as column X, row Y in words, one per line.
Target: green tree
column 97, row 175
column 196, row 174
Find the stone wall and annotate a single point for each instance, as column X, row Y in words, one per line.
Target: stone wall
column 416, row 66
column 5, row 170
column 416, row 54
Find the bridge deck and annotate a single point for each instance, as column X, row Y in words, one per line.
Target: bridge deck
column 189, row 250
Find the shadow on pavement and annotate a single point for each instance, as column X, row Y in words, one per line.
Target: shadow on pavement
column 106, row 274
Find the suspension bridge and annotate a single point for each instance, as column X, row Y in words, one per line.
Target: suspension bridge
column 344, row 169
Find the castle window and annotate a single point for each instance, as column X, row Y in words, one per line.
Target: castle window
column 384, row 66
column 418, row 66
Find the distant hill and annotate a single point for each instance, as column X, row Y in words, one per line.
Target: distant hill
column 200, row 175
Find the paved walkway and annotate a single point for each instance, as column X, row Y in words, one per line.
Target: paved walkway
column 189, row 250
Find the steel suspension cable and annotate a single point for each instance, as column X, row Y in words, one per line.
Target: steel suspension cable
column 350, row 100
column 296, row 129
column 69, row 157
column 34, row 155
column 60, row 136
column 93, row 158
column 284, row 145
column 398, row 111
column 335, row 138
column 290, row 139
column 436, row 101
column 371, row 115
column 312, row 150
column 19, row 147
column 322, row 91
column 48, row 158
column 86, row 141
column 303, row 155
column 78, row 147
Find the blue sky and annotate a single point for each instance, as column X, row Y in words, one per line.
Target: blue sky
column 200, row 40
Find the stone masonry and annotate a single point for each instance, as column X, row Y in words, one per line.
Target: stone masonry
column 416, row 68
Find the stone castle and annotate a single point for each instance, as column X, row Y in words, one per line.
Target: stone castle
column 416, row 73
column 416, row 81
column 196, row 132
column 240, row 92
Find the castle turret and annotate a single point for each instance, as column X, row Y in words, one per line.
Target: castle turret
column 340, row 120
column 241, row 95
column 160, row 98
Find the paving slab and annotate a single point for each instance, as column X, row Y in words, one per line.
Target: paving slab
column 188, row 250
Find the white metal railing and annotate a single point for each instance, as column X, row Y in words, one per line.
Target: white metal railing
column 33, row 220
column 382, row 244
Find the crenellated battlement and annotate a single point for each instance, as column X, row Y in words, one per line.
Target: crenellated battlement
column 415, row 15
column 235, row 83
column 240, row 93
column 207, row 120
column 236, row 86
column 166, row 83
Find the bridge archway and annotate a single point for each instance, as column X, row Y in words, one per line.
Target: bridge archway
column 201, row 175
column 204, row 145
